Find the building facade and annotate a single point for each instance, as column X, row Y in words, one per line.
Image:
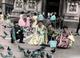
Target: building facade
column 6, row 6
column 67, row 8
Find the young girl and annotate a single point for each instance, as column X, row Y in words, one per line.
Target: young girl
column 63, row 40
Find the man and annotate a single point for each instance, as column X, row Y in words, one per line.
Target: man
column 59, row 22
column 17, row 33
column 77, row 31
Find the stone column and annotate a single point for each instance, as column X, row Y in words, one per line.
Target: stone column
column 61, row 7
column 44, row 5
column 4, row 7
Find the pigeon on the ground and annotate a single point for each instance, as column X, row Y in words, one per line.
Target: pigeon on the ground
column 20, row 48
column 35, row 54
column 28, row 51
column 9, row 51
column 53, row 51
column 25, row 53
column 48, row 56
column 1, row 47
column 40, row 49
column 42, row 54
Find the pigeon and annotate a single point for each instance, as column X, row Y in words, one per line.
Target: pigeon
column 8, row 48
column 5, row 56
column 3, row 36
column 4, row 26
column 25, row 54
column 1, row 55
column 35, row 54
column 28, row 51
column 53, row 51
column 5, row 33
column 1, row 47
column 20, row 48
column 42, row 54
column 9, row 51
column 41, row 49
column 48, row 56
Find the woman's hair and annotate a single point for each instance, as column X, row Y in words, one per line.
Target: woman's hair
column 65, row 27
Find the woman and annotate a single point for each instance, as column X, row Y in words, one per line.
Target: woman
column 40, row 36
column 63, row 40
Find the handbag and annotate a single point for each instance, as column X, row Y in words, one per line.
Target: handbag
column 71, row 37
column 53, row 43
column 72, row 40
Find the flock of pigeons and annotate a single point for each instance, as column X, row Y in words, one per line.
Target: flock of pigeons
column 38, row 53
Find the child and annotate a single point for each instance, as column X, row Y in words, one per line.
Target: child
column 63, row 40
column 52, row 38
column 51, row 33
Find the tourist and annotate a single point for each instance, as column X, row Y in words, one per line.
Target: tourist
column 17, row 33
column 53, row 19
column 63, row 40
column 40, row 36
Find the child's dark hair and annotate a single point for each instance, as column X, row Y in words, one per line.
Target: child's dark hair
column 65, row 27
column 39, row 22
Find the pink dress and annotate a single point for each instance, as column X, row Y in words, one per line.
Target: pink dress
column 21, row 22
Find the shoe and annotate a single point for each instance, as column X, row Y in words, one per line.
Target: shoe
column 22, row 42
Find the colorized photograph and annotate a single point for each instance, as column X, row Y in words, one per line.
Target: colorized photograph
column 39, row 28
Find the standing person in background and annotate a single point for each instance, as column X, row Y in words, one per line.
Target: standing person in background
column 53, row 19
column 59, row 22
column 49, row 15
column 77, row 31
